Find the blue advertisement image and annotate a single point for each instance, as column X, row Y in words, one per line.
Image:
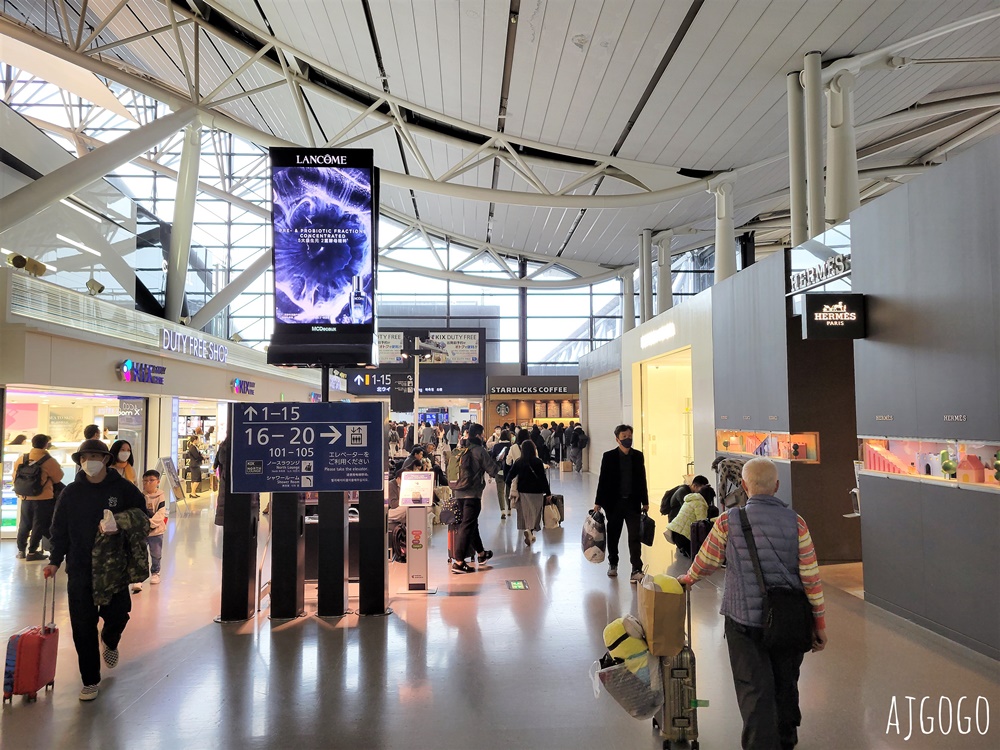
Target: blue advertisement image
column 323, row 237
column 306, row 447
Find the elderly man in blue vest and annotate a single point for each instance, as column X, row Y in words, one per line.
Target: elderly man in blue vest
column 766, row 679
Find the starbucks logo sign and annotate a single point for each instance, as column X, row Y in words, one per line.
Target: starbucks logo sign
column 503, row 409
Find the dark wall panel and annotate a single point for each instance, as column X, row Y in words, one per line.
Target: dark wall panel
column 954, row 238
column 723, row 345
column 932, row 552
column 750, row 359
column 884, row 361
column 892, row 533
column 962, row 561
column 927, row 255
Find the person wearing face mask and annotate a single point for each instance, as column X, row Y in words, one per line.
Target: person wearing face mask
column 75, row 526
column 123, row 461
column 623, row 495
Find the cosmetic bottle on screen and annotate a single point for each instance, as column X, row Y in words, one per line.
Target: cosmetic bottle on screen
column 357, row 301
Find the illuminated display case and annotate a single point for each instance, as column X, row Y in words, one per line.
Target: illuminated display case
column 961, row 461
column 797, row 446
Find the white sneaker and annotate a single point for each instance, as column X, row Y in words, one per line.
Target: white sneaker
column 88, row 693
column 154, row 579
column 636, row 577
column 136, row 588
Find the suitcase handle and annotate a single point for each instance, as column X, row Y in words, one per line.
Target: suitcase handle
column 45, row 604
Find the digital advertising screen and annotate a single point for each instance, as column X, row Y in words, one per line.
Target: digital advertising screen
column 324, row 220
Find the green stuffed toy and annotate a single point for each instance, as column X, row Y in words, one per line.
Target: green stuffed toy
column 948, row 466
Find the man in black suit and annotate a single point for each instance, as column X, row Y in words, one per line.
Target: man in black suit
column 622, row 493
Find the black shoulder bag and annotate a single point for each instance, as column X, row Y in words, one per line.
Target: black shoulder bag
column 788, row 618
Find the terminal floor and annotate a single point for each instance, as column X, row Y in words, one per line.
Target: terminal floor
column 473, row 666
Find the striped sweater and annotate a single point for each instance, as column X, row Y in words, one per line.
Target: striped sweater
column 713, row 554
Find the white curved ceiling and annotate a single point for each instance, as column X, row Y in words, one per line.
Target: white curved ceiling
column 671, row 84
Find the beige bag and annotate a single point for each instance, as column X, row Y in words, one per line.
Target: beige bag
column 662, row 617
column 550, row 516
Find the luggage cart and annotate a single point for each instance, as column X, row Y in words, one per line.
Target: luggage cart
column 677, row 720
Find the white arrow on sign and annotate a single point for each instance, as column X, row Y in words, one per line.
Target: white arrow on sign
column 250, row 412
column 359, row 380
column 334, row 436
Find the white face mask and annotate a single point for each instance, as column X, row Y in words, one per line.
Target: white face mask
column 93, row 468
column 124, row 456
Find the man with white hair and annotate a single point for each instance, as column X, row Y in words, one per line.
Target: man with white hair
column 766, row 679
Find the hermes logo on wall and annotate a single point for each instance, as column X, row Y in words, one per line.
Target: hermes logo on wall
column 835, row 315
column 834, row 268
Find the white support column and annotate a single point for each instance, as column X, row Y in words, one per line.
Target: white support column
column 628, row 299
column 841, row 150
column 797, row 159
column 646, row 275
column 180, row 233
column 725, row 232
column 34, row 198
column 664, row 274
column 813, row 90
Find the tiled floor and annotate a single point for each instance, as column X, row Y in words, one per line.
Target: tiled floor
column 473, row 666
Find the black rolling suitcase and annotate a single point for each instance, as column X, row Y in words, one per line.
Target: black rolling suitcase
column 699, row 533
column 677, row 721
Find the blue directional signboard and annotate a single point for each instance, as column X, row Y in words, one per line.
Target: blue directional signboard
column 303, row 447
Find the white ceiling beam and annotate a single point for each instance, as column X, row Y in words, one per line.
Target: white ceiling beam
column 919, row 112
column 879, row 56
column 35, row 197
column 511, row 283
column 912, row 135
column 426, row 112
column 168, row 4
column 108, row 18
column 353, row 124
column 525, row 169
column 984, row 126
column 236, row 74
column 244, row 94
column 135, row 38
column 459, row 168
column 80, row 24
column 361, row 136
column 404, row 131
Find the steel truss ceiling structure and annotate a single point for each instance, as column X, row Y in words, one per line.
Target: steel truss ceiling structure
column 550, row 129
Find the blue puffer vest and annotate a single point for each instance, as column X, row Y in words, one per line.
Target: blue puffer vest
column 776, row 533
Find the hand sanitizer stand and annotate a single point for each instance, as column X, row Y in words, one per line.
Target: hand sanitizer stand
column 416, row 491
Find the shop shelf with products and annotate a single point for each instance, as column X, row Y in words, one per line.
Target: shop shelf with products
column 962, row 461
column 796, row 446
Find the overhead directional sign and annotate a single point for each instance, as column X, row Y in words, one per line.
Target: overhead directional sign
column 313, row 447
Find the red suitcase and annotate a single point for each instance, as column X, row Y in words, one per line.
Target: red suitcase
column 31, row 655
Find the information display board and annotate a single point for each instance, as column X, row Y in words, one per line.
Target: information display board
column 316, row 447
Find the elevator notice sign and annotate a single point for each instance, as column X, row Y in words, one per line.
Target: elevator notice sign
column 286, row 447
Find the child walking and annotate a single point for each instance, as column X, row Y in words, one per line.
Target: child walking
column 156, row 508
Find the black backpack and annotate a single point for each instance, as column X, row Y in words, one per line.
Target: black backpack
column 28, row 478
